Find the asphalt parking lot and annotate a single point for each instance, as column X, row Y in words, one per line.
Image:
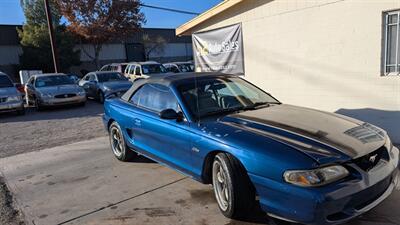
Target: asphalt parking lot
column 80, row 182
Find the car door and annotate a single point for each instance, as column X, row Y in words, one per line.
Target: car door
column 168, row 140
column 138, row 72
column 84, row 83
column 92, row 85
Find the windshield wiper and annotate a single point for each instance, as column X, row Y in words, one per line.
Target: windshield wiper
column 256, row 105
column 222, row 111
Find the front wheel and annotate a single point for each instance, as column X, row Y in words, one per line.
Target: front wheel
column 118, row 145
column 101, row 97
column 21, row 111
column 232, row 187
column 38, row 105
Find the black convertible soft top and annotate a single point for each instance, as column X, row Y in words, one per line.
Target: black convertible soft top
column 168, row 79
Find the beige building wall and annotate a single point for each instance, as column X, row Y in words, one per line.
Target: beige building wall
column 324, row 54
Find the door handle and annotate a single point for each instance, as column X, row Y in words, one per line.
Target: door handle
column 137, row 122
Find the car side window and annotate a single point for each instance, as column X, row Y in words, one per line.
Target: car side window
column 132, row 70
column 174, row 69
column 137, row 71
column 155, row 97
column 31, row 81
column 92, row 77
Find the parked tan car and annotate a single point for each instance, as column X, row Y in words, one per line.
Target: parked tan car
column 136, row 70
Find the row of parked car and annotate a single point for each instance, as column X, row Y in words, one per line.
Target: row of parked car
column 46, row 90
column 135, row 70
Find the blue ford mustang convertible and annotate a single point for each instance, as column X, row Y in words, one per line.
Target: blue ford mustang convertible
column 303, row 165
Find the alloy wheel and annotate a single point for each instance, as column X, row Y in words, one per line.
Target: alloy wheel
column 221, row 187
column 116, row 141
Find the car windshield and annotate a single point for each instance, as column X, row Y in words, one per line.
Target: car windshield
column 214, row 96
column 53, row 80
column 105, row 77
column 153, row 69
column 185, row 67
column 5, row 82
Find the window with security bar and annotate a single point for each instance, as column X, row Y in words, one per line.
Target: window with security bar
column 392, row 43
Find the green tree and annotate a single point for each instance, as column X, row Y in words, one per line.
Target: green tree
column 35, row 40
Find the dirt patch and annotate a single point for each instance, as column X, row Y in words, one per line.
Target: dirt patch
column 204, row 197
column 8, row 214
column 157, row 212
column 53, row 127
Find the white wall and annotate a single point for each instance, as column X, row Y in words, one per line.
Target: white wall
column 9, row 54
column 322, row 54
column 108, row 52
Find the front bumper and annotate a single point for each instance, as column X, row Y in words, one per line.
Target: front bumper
column 117, row 93
column 63, row 101
column 11, row 106
column 332, row 204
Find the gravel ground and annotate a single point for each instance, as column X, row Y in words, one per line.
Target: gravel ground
column 39, row 130
column 8, row 215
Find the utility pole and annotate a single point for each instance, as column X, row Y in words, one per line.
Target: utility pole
column 51, row 33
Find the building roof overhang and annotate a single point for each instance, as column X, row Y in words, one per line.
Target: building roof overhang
column 224, row 5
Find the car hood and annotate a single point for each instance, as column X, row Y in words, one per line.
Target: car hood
column 117, row 85
column 60, row 89
column 316, row 133
column 8, row 91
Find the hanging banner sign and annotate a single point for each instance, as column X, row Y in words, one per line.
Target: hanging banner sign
column 219, row 50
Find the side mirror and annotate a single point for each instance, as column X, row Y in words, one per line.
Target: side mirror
column 170, row 114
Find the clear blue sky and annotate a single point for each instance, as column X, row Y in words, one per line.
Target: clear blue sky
column 11, row 12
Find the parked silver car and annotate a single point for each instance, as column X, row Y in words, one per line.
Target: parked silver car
column 53, row 89
column 10, row 97
column 99, row 85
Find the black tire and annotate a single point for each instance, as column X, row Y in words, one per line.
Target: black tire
column 100, row 97
column 21, row 112
column 120, row 150
column 37, row 105
column 241, row 194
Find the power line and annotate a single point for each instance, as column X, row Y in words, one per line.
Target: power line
column 169, row 9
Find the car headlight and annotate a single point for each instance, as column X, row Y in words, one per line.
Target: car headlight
column 81, row 93
column 13, row 98
column 316, row 177
column 45, row 95
column 388, row 144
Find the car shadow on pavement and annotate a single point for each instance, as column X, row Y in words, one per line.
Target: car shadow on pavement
column 140, row 159
column 91, row 109
column 259, row 217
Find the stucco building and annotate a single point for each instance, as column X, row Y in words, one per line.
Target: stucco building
column 336, row 55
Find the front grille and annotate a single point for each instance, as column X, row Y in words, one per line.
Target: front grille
column 362, row 199
column 3, row 100
column 370, row 160
column 65, row 96
column 373, row 193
